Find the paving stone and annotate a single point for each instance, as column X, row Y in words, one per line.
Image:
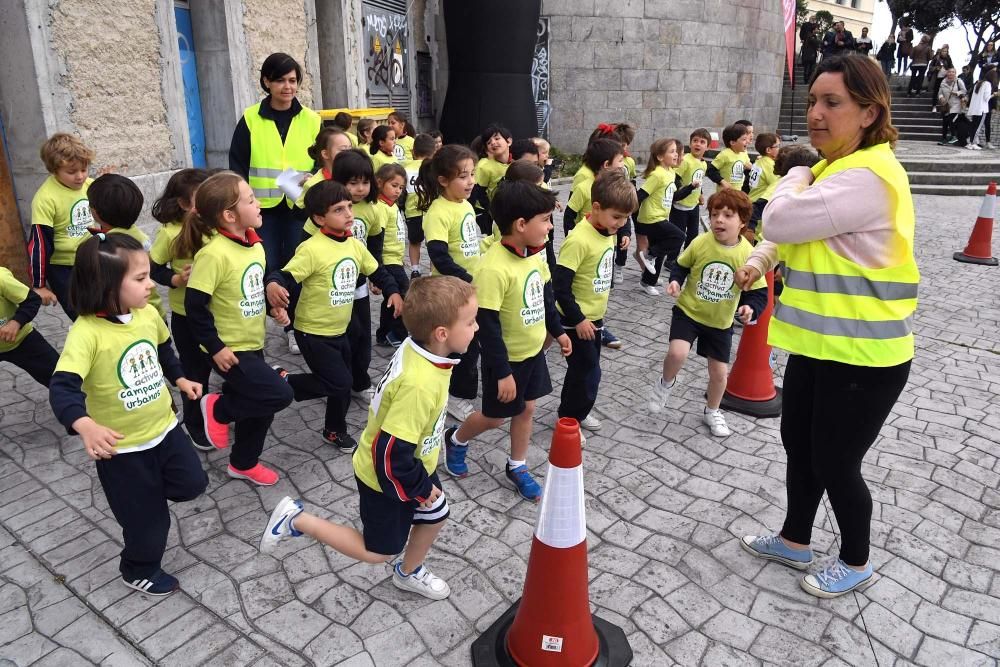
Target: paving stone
column 985, row 638
column 774, row 645
column 936, row 652
column 394, row 647
column 732, row 629
column 296, row 623
column 891, row 630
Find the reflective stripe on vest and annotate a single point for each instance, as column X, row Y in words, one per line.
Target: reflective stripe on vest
column 269, row 157
column 832, row 308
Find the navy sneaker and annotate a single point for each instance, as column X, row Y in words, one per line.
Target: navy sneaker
column 341, row 441
column 610, row 340
column 454, row 455
column 393, row 339
column 159, row 584
column 525, row 484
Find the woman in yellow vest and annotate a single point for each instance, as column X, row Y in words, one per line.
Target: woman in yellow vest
column 844, row 233
column 271, row 136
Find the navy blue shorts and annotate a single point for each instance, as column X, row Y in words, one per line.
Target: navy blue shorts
column 387, row 520
column 712, row 343
column 532, row 379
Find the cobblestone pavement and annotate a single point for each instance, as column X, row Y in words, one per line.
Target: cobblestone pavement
column 665, row 501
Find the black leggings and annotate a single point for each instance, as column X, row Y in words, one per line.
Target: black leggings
column 665, row 242
column 825, row 448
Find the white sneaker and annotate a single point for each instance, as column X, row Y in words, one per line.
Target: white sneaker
column 973, row 147
column 591, row 423
column 618, row 275
column 365, row 395
column 279, row 526
column 715, row 421
column 989, row 145
column 651, row 290
column 460, row 408
column 420, row 581
column 645, row 261
column 659, row 394
column 293, row 346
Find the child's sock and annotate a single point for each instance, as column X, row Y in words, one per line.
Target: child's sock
column 458, row 443
column 515, row 464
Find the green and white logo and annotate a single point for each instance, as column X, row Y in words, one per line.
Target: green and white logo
column 668, row 195
column 716, row 283
column 469, row 232
column 359, row 230
column 140, row 375
column 533, row 298
column 343, row 281
column 252, row 287
column 737, row 175
column 430, row 444
column 80, row 219
column 400, row 227
column 602, row 277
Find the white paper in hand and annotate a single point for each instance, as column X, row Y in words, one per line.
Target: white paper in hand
column 288, row 182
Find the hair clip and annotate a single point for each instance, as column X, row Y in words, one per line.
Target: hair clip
column 102, row 236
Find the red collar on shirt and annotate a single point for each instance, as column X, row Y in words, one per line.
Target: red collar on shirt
column 327, row 174
column 527, row 252
column 385, row 200
column 248, row 242
column 346, row 234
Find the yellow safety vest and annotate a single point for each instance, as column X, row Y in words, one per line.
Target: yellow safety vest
column 832, row 308
column 269, row 157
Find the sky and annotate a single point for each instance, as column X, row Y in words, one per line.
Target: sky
column 954, row 36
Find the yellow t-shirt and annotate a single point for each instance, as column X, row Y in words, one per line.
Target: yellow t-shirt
column 394, row 242
column 354, row 139
column 731, row 166
column 455, row 224
column 328, row 270
column 515, row 287
column 121, row 372
column 628, row 162
column 318, row 177
column 690, row 169
column 403, row 149
column 67, row 212
column 368, row 221
column 579, row 196
column 583, row 173
column 162, row 252
column 589, row 254
column 233, row 274
column 710, row 294
column 489, row 173
column 661, row 186
column 412, row 168
column 154, row 297
column 380, row 158
column 12, row 293
column 761, row 177
column 409, row 403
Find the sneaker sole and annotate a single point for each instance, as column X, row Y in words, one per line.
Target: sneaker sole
column 145, row 592
column 517, row 490
column 617, row 345
column 820, row 593
column 268, row 541
column 430, row 595
column 794, row 564
column 236, row 475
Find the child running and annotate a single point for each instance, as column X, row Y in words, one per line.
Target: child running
column 423, row 149
column 402, row 502
column 60, row 218
column 329, row 143
column 495, row 157
column 731, row 165
column 656, row 196
column 225, row 307
column 108, row 388
column 708, row 302
column 391, row 179
column 600, row 154
column 327, row 267
column 168, row 268
column 20, row 343
column 762, row 176
column 516, row 309
column 685, row 213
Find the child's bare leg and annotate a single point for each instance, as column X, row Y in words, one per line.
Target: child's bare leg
column 718, row 373
column 422, row 536
column 476, row 423
column 641, row 242
column 414, row 255
column 344, row 539
column 520, row 432
column 677, row 354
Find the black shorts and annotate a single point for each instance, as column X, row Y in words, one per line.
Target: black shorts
column 532, row 379
column 712, row 343
column 387, row 521
column 415, row 229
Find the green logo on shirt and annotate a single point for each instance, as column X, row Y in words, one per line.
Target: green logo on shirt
column 80, row 219
column 431, row 443
column 602, row 277
column 737, row 174
column 400, row 227
column 533, row 297
column 252, row 286
column 716, row 283
column 140, row 374
column 469, row 231
column 343, row 279
column 359, row 230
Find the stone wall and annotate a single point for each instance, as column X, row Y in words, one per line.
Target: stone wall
column 666, row 66
column 278, row 26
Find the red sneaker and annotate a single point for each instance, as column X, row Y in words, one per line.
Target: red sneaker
column 216, row 432
column 258, row 474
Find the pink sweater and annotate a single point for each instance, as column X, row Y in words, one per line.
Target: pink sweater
column 850, row 211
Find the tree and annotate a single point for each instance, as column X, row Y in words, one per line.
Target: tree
column 801, row 11
column 981, row 18
column 824, row 22
column 927, row 16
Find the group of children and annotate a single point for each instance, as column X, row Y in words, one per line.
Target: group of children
column 498, row 297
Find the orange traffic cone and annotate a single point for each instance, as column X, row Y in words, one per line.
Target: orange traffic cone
column 750, row 389
column 551, row 625
column 978, row 251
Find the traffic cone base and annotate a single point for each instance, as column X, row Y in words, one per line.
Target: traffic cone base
column 979, row 249
column 766, row 408
column 969, row 259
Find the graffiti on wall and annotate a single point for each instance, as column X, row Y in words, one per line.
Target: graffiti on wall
column 540, row 77
column 385, row 57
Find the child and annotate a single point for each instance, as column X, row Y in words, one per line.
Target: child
column 438, row 140
column 656, row 196
column 383, row 147
column 443, row 187
column 600, row 154
column 60, row 218
column 686, row 211
column 749, row 126
column 115, row 205
column 494, row 158
column 400, row 124
column 731, row 164
column 524, row 149
column 528, row 171
column 581, row 283
column 423, row 149
column 516, row 309
column 762, row 175
column 108, row 388
column 365, row 128
column 402, row 503
column 20, row 343
column 225, row 306
column 327, row 267
column 391, row 179
column 329, row 143
column 788, row 157
column 171, row 269
column 705, row 309
column 544, row 161
column 344, row 121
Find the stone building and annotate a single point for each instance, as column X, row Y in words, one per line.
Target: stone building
column 856, row 14
column 156, row 85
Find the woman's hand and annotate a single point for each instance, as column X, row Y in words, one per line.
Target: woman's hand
column 746, row 276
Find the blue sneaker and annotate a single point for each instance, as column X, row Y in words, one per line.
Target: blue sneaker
column 772, row 547
column 525, row 484
column 608, row 339
column 159, row 584
column 454, row 455
column 279, row 526
column 836, row 579
column 393, row 339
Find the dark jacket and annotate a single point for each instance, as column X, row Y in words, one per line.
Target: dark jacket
column 832, row 48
